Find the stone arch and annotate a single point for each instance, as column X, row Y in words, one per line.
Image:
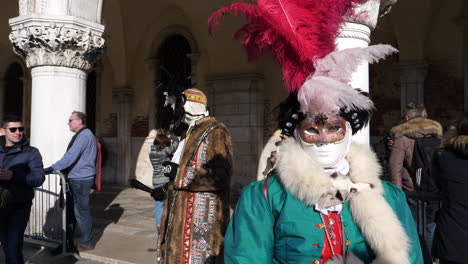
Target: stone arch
column 168, row 31
column 14, row 85
column 157, row 58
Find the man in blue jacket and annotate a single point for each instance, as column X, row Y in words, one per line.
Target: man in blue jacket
column 79, row 163
column 21, row 170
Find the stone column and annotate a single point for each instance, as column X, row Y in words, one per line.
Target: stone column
column 152, row 66
column 412, row 77
column 60, row 51
column 2, row 95
column 123, row 97
column 463, row 22
column 26, row 110
column 356, row 33
column 194, row 59
column 144, row 168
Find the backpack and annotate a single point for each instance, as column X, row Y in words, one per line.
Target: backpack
column 425, row 148
column 98, row 178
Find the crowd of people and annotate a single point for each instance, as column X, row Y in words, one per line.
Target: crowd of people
column 22, row 170
column 319, row 179
column 428, row 165
column 322, row 199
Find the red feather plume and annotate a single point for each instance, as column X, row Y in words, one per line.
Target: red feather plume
column 296, row 32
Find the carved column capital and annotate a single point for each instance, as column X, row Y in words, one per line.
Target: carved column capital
column 123, row 95
column 369, row 12
column 463, row 23
column 413, row 71
column 69, row 42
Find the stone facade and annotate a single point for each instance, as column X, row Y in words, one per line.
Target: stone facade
column 237, row 101
column 68, row 35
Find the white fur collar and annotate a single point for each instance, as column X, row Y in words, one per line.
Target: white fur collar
column 307, row 181
column 305, row 178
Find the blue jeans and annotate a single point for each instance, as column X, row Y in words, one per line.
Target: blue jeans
column 158, row 209
column 80, row 191
column 13, row 222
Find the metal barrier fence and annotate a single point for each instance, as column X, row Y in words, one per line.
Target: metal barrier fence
column 47, row 211
column 422, row 200
column 424, row 206
column 48, row 219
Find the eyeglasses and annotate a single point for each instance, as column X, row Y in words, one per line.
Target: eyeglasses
column 13, row 129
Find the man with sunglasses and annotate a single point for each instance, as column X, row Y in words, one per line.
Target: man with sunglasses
column 21, row 170
column 79, row 163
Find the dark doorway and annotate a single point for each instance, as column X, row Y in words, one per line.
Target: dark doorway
column 91, row 101
column 13, row 100
column 174, row 74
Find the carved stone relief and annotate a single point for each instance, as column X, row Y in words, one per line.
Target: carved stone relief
column 57, row 45
column 23, row 7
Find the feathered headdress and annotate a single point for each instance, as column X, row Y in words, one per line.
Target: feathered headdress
column 328, row 89
column 301, row 35
column 295, row 32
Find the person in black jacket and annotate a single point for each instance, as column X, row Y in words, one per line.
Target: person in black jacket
column 451, row 235
column 21, row 170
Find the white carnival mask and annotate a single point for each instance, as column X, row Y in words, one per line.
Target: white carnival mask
column 193, row 112
column 328, row 143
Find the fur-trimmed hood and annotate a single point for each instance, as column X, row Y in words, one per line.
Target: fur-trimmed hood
column 417, row 127
column 304, row 177
column 457, row 143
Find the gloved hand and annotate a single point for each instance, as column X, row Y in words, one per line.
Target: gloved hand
column 159, row 193
column 5, row 175
column 342, row 190
column 170, row 169
column 5, row 196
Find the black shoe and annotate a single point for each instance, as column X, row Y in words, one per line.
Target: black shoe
column 59, row 250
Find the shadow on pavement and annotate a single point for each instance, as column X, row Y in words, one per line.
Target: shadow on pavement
column 34, row 254
column 103, row 211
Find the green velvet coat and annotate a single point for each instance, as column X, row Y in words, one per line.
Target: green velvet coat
column 284, row 230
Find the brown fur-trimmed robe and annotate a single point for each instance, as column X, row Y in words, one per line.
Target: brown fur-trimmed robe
column 196, row 212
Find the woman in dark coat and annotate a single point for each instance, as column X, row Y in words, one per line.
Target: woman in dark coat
column 451, row 235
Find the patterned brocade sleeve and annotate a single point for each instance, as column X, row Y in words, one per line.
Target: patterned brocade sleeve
column 215, row 172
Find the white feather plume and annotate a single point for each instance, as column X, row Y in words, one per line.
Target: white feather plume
column 327, row 89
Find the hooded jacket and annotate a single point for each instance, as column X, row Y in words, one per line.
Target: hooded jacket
column 402, row 151
column 158, row 157
column 451, row 234
column 28, row 171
